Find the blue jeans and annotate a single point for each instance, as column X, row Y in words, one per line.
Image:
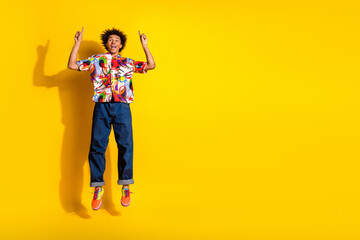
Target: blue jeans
column 118, row 115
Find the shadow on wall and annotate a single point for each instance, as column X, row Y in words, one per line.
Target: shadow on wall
column 75, row 91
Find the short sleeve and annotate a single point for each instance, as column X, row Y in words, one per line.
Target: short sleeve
column 85, row 65
column 139, row 67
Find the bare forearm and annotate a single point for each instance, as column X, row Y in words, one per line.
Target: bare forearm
column 73, row 57
column 149, row 58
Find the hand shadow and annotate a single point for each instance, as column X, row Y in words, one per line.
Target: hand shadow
column 75, row 92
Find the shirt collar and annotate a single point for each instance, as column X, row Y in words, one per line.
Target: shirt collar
column 118, row 55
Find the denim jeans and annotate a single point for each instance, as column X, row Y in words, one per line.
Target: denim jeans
column 118, row 115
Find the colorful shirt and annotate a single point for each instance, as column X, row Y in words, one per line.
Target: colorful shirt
column 112, row 76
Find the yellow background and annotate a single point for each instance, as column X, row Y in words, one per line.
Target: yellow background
column 248, row 128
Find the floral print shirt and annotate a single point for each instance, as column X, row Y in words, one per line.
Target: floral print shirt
column 112, row 76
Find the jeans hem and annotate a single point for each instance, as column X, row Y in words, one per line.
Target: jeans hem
column 125, row 182
column 97, row 184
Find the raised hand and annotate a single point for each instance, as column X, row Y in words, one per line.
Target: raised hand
column 150, row 60
column 72, row 64
column 143, row 39
column 79, row 35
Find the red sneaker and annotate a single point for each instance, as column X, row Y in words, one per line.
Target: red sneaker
column 97, row 199
column 125, row 198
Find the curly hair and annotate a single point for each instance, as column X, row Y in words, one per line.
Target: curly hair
column 106, row 34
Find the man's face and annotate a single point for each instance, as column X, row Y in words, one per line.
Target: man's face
column 114, row 44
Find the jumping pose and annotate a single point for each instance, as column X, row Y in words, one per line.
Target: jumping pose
column 111, row 75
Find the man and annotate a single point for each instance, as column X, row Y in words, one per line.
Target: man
column 111, row 75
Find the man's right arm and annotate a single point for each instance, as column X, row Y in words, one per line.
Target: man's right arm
column 73, row 55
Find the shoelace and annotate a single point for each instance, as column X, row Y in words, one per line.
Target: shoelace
column 96, row 193
column 126, row 192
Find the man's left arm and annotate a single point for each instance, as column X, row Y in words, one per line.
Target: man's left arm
column 149, row 58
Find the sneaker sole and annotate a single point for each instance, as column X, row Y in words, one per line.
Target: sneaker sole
column 125, row 205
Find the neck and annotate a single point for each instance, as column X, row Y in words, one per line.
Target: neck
column 113, row 54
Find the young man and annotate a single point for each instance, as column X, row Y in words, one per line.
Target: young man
column 111, row 75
